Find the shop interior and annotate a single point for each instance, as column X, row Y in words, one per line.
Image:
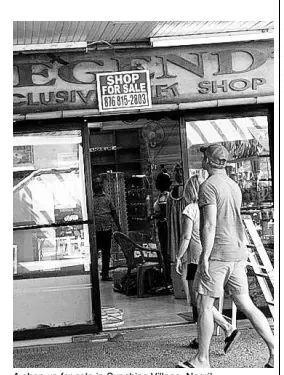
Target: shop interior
column 122, row 157
column 119, row 156
column 51, row 234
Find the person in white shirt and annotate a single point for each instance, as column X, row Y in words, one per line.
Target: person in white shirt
column 188, row 256
column 222, row 264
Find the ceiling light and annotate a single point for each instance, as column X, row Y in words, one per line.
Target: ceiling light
column 211, row 38
column 48, row 46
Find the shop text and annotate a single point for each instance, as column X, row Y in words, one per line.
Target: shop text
column 176, row 75
column 240, row 84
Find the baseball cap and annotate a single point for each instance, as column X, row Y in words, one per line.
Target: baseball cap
column 216, row 153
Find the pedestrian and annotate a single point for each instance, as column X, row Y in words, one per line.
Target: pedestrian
column 224, row 254
column 188, row 256
column 105, row 215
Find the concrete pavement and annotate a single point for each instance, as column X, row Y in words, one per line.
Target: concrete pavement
column 160, row 347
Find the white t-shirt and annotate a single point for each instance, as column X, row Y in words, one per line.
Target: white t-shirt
column 221, row 191
column 194, row 248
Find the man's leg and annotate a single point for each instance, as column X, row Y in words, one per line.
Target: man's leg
column 205, row 330
column 222, row 322
column 218, row 319
column 217, row 316
column 258, row 320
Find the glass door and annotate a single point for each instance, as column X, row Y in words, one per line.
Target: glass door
column 51, row 251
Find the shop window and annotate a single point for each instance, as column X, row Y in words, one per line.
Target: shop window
column 49, row 212
column 247, row 141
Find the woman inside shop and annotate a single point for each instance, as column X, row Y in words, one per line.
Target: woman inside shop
column 105, row 215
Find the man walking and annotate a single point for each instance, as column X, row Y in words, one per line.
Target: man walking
column 224, row 255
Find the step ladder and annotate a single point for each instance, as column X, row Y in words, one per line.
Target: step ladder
column 261, row 265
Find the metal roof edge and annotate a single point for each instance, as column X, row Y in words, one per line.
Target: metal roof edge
column 155, row 108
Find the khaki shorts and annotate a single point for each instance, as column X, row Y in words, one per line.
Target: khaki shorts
column 229, row 276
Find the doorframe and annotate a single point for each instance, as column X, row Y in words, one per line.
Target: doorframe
column 94, row 273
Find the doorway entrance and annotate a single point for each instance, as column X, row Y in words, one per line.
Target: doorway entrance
column 120, row 159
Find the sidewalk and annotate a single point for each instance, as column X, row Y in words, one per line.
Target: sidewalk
column 144, row 348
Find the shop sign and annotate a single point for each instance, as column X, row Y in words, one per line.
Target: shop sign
column 109, row 82
column 119, row 91
column 102, row 149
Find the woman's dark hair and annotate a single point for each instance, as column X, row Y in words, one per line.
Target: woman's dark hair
column 163, row 181
column 178, row 172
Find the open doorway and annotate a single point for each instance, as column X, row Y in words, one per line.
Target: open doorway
column 120, row 159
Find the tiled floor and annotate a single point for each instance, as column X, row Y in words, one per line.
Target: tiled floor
column 141, row 312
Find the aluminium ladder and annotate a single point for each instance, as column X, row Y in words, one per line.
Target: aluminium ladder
column 261, row 265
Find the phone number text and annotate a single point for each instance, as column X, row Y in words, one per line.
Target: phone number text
column 127, row 100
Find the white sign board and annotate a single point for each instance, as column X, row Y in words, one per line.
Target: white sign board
column 120, row 91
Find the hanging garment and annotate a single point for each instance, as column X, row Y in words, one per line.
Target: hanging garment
column 175, row 206
column 160, row 209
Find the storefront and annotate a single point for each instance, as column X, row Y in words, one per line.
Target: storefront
column 199, row 94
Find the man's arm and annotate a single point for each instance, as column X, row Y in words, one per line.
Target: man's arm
column 208, row 215
column 114, row 215
column 116, row 219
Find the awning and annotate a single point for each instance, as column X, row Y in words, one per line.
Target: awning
column 227, row 130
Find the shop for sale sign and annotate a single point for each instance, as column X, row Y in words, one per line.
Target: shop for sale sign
column 124, row 90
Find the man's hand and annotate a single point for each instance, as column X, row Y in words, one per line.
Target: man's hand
column 179, row 267
column 204, row 270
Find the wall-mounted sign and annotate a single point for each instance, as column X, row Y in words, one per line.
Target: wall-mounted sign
column 178, row 75
column 124, row 90
column 103, row 149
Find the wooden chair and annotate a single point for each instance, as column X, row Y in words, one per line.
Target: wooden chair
column 136, row 259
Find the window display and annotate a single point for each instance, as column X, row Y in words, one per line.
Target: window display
column 49, row 216
column 247, row 141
